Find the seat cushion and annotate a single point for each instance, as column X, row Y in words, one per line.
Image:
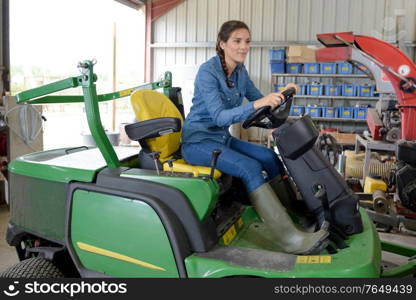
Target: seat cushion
column 181, row 166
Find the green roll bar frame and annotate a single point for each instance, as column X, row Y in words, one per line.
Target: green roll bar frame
column 90, row 98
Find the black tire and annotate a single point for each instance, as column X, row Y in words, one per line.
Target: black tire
column 36, row 267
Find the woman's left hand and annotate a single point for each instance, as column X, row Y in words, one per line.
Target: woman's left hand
column 292, row 85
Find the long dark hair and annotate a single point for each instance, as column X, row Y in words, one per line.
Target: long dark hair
column 223, row 35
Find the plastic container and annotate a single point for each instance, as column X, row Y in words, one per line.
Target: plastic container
column 303, row 89
column 360, row 69
column 316, row 89
column 294, row 68
column 277, row 66
column 366, row 90
column 313, row 111
column 296, row 110
column 360, row 113
column 329, row 112
column 332, row 90
column 372, row 184
column 279, row 87
column 345, row 112
column 344, row 68
column 349, row 90
column 328, row 68
column 311, row 68
column 277, row 54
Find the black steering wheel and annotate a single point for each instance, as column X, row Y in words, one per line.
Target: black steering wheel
column 265, row 117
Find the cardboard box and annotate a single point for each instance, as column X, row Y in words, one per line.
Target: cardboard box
column 343, row 138
column 301, row 54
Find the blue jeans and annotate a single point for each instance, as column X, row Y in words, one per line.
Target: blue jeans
column 238, row 158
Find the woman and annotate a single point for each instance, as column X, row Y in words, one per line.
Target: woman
column 220, row 87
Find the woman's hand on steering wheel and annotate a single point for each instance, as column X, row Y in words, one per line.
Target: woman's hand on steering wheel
column 272, row 100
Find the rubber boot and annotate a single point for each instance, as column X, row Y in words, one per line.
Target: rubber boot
column 287, row 195
column 286, row 234
column 297, row 209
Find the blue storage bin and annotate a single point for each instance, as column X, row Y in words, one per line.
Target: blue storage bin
column 366, row 90
column 279, row 87
column 360, row 113
column 302, row 89
column 328, row 68
column 277, row 54
column 332, row 90
column 314, row 112
column 361, row 69
column 345, row 112
column 277, row 67
column 311, row 68
column 296, row 110
column 316, row 89
column 349, row 90
column 344, row 68
column 294, row 68
column 329, row 112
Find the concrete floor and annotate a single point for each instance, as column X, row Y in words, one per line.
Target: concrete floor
column 8, row 255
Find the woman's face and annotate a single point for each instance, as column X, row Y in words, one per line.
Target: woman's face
column 237, row 46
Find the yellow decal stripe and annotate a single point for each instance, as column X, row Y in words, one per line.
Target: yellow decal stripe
column 314, row 259
column 100, row 251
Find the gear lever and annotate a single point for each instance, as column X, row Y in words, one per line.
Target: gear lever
column 155, row 156
column 214, row 159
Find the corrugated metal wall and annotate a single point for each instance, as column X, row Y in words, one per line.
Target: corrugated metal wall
column 184, row 37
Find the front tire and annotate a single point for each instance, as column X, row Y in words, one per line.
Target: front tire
column 36, row 267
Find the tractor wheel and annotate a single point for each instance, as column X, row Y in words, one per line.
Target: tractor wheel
column 36, row 267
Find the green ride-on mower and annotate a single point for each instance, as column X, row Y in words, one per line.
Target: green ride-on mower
column 114, row 211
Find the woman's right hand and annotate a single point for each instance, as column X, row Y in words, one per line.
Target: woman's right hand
column 272, row 99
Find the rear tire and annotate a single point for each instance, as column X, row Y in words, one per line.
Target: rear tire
column 36, row 267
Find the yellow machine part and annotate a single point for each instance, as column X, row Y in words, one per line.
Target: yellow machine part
column 373, row 184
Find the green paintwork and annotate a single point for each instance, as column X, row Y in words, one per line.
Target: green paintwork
column 398, row 249
column 403, row 250
column 121, row 225
column 53, row 173
column 91, row 99
column 94, row 121
column 361, row 259
column 401, row 271
column 34, row 165
column 202, row 193
column 48, row 89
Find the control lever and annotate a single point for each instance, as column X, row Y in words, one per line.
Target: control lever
column 155, row 156
column 214, row 159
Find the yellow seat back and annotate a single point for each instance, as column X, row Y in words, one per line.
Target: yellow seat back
column 147, row 105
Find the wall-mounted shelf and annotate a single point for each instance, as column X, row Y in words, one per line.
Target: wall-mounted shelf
column 320, row 75
column 334, row 119
column 338, row 97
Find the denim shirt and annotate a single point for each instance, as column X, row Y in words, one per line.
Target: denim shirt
column 215, row 106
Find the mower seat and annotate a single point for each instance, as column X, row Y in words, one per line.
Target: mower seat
column 159, row 131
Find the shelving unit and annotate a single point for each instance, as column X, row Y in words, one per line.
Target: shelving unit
column 320, row 75
column 342, row 120
column 347, row 125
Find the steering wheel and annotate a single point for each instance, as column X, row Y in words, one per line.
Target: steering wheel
column 274, row 117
